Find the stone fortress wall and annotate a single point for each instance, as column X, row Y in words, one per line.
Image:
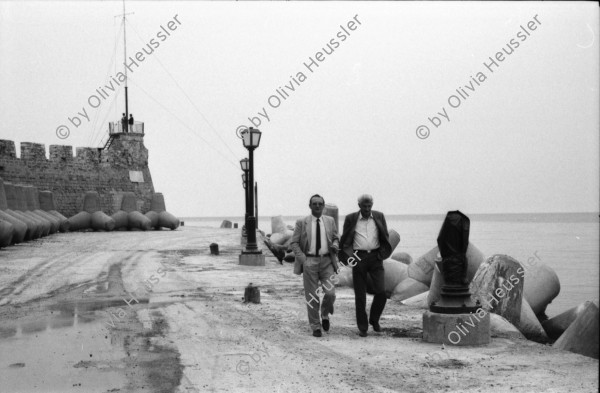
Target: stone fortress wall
column 122, row 167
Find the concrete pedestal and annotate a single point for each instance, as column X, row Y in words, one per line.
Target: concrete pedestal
column 457, row 329
column 254, row 259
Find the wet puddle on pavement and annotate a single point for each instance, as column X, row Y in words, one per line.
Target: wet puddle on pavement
column 63, row 349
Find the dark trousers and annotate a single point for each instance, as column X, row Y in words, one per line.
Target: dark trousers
column 370, row 264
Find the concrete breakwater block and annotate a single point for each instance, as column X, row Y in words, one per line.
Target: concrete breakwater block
column 456, row 329
column 167, row 220
column 501, row 328
column 422, row 269
column 33, row 205
column 282, row 238
column 419, row 300
column 331, row 210
column 34, row 229
column 135, row 219
column 582, row 336
column 498, row 285
column 19, row 227
column 278, row 251
column 394, row 239
column 159, row 216
column 541, row 284
column 408, row 288
column 121, row 220
column 6, row 233
column 474, row 259
column 277, row 224
column 80, row 221
column 395, row 273
column 403, row 257
column 530, row 326
column 226, row 224
column 557, row 325
column 100, row 221
column 21, row 199
column 92, row 217
column 46, row 200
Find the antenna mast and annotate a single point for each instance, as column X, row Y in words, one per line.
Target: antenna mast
column 125, row 62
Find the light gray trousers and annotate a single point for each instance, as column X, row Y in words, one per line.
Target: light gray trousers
column 318, row 269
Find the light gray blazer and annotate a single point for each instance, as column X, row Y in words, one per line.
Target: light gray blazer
column 300, row 242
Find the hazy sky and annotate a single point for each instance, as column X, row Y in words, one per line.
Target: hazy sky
column 519, row 136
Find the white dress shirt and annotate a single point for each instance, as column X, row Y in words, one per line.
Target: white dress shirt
column 366, row 235
column 313, row 241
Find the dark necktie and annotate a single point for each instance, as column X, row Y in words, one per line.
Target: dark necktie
column 318, row 237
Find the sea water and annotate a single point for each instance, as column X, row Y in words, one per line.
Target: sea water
column 568, row 242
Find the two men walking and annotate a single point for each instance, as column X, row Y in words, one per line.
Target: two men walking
column 365, row 236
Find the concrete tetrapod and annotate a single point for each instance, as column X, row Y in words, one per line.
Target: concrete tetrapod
column 21, row 200
column 395, row 273
column 164, row 218
column 541, row 284
column 6, row 233
column 46, row 199
column 331, row 210
column 474, row 259
column 34, row 230
column 498, row 285
column 403, row 257
column 19, row 227
column 557, row 325
column 33, row 204
column 91, row 217
column 277, row 224
column 582, row 336
column 135, row 219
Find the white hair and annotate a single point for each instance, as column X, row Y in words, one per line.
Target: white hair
column 365, row 198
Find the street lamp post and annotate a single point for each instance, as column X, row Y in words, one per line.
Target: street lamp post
column 244, row 239
column 252, row 255
column 245, row 165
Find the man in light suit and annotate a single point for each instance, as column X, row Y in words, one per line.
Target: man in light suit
column 366, row 237
column 315, row 243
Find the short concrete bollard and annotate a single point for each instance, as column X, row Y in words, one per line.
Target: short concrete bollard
column 214, row 249
column 251, row 294
column 457, row 329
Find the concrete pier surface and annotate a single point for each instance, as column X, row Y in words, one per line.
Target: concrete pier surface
column 155, row 312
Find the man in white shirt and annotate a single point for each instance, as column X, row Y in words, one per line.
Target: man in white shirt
column 315, row 243
column 366, row 236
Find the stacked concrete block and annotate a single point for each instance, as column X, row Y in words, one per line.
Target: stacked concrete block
column 91, row 217
column 46, row 200
column 159, row 216
column 34, row 229
column 6, row 233
column 33, row 205
column 19, row 227
column 129, row 217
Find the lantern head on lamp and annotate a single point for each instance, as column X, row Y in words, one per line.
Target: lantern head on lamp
column 251, row 138
column 453, row 241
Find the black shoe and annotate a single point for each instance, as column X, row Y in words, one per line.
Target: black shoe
column 362, row 333
column 326, row 325
column 376, row 326
column 317, row 333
